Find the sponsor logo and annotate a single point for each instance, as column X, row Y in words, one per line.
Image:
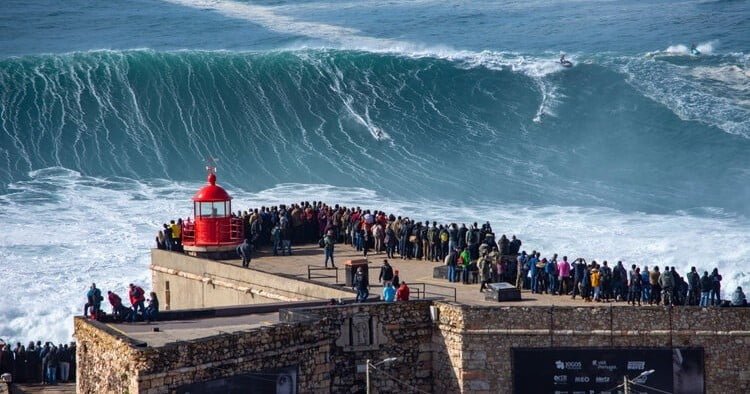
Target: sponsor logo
column 636, row 365
column 571, row 365
column 602, row 379
column 602, row 365
column 561, row 378
column 582, row 379
column 641, row 380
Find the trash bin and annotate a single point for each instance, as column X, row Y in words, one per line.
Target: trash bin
column 350, row 267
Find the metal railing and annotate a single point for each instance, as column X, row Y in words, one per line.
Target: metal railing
column 315, row 268
column 434, row 290
column 232, row 232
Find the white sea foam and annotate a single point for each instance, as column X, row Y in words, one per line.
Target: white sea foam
column 705, row 48
column 63, row 230
column 712, row 94
column 353, row 39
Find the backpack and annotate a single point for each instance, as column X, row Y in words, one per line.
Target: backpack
column 444, row 236
column 474, row 236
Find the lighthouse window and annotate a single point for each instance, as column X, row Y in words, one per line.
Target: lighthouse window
column 213, row 209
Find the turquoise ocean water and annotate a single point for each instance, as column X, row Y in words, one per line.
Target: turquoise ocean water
column 435, row 109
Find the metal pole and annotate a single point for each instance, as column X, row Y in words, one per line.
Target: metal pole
column 626, row 384
column 367, row 375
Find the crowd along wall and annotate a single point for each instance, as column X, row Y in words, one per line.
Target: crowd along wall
column 473, row 344
column 185, row 282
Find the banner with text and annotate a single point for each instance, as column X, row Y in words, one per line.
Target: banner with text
column 601, row 370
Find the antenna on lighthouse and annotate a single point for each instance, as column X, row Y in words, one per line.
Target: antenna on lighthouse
column 211, row 165
column 211, row 168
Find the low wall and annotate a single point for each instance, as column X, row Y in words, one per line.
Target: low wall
column 202, row 283
column 473, row 343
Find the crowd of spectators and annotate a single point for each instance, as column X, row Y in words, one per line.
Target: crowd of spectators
column 37, row 363
column 472, row 254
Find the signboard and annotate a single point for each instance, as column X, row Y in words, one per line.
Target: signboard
column 269, row 381
column 601, row 370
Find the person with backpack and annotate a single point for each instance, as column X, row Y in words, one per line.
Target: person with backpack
column 485, row 269
column 390, row 241
column 666, row 281
column 551, row 270
column 424, row 237
column 706, row 286
column 451, row 260
column 472, row 241
column 386, row 273
column 433, row 236
column 606, row 278
column 579, row 272
column 635, row 287
column 444, row 242
column 716, row 288
column 276, row 237
column 521, row 269
column 328, row 244
column 694, row 287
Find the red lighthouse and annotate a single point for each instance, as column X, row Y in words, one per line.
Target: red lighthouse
column 214, row 233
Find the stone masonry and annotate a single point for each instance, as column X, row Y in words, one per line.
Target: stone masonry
column 468, row 349
column 473, row 343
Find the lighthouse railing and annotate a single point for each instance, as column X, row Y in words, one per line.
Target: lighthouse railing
column 188, row 231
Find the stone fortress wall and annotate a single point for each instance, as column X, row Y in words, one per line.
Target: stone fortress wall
column 466, row 350
column 473, row 343
column 325, row 344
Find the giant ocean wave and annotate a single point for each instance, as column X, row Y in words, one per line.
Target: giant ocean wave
column 470, row 126
column 621, row 157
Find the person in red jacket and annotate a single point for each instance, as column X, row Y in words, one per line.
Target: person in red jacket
column 137, row 298
column 119, row 311
column 402, row 294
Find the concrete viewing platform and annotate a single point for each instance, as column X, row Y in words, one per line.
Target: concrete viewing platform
column 416, row 273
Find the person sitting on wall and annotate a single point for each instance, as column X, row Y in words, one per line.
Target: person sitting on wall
column 152, row 311
column 738, row 297
column 119, row 311
column 402, row 294
column 136, row 295
column 389, row 292
column 93, row 300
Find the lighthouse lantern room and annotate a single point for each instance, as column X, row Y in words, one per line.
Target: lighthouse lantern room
column 214, row 232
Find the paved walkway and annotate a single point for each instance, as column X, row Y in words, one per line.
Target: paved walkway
column 417, row 274
column 188, row 329
column 61, row 388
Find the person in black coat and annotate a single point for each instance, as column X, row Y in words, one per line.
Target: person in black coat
column 386, row 273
